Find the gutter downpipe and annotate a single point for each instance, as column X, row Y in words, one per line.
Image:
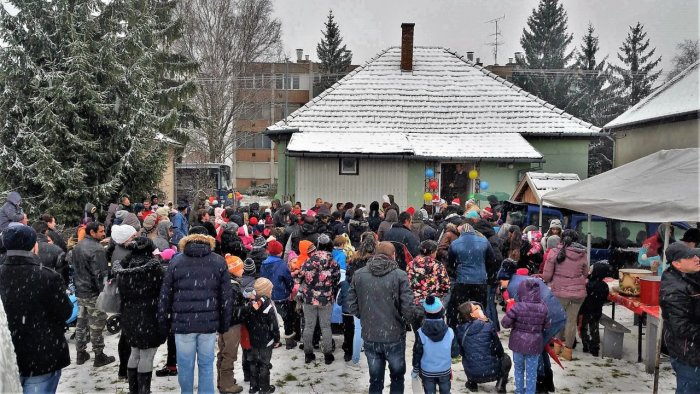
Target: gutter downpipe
column 588, row 240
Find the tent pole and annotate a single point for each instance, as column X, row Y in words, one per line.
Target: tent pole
column 588, row 240
column 660, row 329
column 540, row 217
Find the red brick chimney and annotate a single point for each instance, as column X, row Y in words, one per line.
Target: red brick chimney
column 407, row 46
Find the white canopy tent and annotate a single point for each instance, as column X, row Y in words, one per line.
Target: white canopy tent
column 661, row 187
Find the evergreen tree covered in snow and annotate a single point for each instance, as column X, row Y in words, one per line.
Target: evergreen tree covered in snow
column 637, row 74
column 86, row 87
column 334, row 56
column 547, row 58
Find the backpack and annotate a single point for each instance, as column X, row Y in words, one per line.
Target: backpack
column 403, row 256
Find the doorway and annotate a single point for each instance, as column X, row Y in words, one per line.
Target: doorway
column 453, row 184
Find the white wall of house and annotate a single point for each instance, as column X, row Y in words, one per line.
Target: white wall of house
column 319, row 177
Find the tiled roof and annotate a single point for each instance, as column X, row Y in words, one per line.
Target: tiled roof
column 444, row 93
column 680, row 95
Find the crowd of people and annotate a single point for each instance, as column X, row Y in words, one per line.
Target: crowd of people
column 219, row 277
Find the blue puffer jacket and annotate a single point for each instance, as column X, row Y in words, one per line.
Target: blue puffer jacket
column 481, row 351
column 276, row 270
column 180, row 228
column 555, row 312
column 469, row 254
column 196, row 292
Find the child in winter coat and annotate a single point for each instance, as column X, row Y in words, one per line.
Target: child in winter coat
column 528, row 319
column 261, row 320
column 230, row 340
column 339, row 254
column 434, row 348
column 483, row 357
column 592, row 308
column 277, row 271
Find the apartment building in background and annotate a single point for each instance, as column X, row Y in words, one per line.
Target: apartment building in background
column 278, row 89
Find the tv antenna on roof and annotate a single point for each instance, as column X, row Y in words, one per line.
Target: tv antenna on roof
column 495, row 36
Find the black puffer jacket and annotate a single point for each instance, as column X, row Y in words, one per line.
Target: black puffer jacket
column 90, row 267
column 139, row 279
column 196, row 292
column 37, row 308
column 399, row 233
column 50, row 255
column 680, row 308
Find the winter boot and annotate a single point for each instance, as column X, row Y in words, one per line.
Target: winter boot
column 472, row 386
column 102, row 359
column 501, row 384
column 82, row 357
column 557, row 349
column 567, row 353
column 270, row 389
column 328, row 358
column 167, row 370
column 290, row 344
column 309, row 357
column 549, row 380
column 144, row 379
column 132, row 375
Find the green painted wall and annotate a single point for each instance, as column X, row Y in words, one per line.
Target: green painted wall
column 563, row 155
column 415, row 184
column 286, row 170
column 501, row 179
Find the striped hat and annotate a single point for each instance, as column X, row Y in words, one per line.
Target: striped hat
column 249, row 267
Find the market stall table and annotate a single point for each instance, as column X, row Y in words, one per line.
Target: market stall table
column 652, row 320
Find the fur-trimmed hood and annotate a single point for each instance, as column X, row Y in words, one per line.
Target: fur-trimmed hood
column 197, row 239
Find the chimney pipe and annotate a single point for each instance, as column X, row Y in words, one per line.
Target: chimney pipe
column 478, row 61
column 510, row 60
column 407, row 46
column 470, row 56
column 306, row 58
column 300, row 55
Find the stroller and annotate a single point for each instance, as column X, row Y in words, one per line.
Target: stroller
column 113, row 322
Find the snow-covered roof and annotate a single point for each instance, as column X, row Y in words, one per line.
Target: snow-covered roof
column 510, row 146
column 679, row 96
column 445, row 93
column 541, row 183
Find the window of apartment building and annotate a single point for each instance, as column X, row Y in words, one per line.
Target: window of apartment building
column 255, row 141
column 291, row 82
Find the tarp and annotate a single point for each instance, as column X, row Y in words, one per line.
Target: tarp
column 661, row 187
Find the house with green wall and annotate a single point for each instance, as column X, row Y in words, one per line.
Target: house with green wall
column 415, row 110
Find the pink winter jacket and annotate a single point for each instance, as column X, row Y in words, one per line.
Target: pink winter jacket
column 568, row 278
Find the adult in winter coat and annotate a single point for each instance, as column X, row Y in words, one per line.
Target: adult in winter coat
column 356, row 227
column 566, row 272
column 486, row 229
column 483, row 357
column 391, row 217
column 469, row 255
column 380, row 294
column 420, row 228
column 37, row 308
column 680, row 309
column 374, row 219
column 164, row 233
column 139, row 278
column 449, row 235
column 194, row 305
column 528, row 320
column 52, row 233
column 307, row 232
column 401, row 232
column 427, row 276
column 90, row 266
column 11, row 211
column 319, row 279
column 49, row 255
column 181, row 227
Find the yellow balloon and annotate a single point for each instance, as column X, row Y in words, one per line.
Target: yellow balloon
column 473, row 174
column 230, row 195
column 427, row 197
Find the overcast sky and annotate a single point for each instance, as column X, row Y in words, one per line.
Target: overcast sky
column 369, row 26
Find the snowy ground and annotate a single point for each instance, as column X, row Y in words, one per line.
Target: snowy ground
column 291, row 375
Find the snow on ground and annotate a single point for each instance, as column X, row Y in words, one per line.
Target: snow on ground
column 291, row 375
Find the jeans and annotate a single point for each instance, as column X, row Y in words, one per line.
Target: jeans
column 322, row 315
column 378, row 354
column 201, row 347
column 443, row 383
column 490, row 307
column 687, row 377
column 47, row 383
column 357, row 341
column 525, row 372
column 571, row 307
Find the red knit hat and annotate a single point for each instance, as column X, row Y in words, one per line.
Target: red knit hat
column 411, row 210
column 253, row 221
column 274, row 248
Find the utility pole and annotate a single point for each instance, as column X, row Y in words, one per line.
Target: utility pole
column 495, row 36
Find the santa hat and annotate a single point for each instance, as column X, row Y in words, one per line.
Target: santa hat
column 486, row 214
column 411, row 210
column 436, row 199
column 456, row 201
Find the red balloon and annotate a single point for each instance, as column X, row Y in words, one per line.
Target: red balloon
column 433, row 184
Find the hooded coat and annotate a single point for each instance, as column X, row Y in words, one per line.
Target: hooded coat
column 528, row 320
column 568, row 278
column 139, row 279
column 596, row 292
column 390, row 218
column 373, row 219
column 433, row 349
column 162, row 240
column 11, row 211
column 196, row 290
column 481, row 351
column 380, row 294
column 276, row 270
column 680, row 309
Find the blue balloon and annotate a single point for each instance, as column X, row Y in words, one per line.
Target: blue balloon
column 484, row 185
column 429, row 173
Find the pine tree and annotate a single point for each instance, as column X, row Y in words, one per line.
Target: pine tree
column 545, row 42
column 334, row 56
column 84, row 92
column 637, row 75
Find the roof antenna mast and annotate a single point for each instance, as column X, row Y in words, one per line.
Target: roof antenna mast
column 495, row 36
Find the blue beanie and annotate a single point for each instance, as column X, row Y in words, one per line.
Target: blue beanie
column 433, row 306
column 19, row 237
